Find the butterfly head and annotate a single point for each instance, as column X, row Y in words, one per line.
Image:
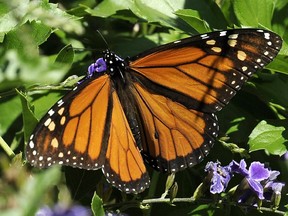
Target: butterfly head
column 113, row 62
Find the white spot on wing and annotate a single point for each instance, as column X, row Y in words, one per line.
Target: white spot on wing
column 223, row 33
column 60, row 102
column 233, row 36
column 51, row 112
column 267, row 35
column 31, row 144
column 47, row 122
column 204, row 36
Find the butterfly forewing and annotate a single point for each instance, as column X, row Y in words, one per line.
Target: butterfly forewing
column 64, row 136
column 88, row 129
column 204, row 72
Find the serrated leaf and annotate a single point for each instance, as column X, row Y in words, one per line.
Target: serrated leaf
column 271, row 137
column 26, row 39
column 97, row 206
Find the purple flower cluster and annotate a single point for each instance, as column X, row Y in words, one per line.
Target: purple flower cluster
column 258, row 180
column 60, row 210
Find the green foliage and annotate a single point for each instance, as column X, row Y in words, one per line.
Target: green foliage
column 269, row 137
column 97, row 206
column 27, row 192
column 42, row 47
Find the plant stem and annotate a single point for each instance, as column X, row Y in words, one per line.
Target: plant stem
column 6, row 148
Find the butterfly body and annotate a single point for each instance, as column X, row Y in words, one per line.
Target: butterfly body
column 158, row 107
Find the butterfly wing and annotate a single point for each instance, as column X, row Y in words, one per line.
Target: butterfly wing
column 175, row 137
column 87, row 129
column 124, row 166
column 204, row 72
column 72, row 131
column 178, row 87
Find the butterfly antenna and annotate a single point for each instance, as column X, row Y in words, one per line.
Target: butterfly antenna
column 79, row 185
column 101, row 35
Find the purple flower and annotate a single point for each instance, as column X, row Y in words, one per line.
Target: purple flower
column 272, row 189
column 98, row 66
column 254, row 175
column 220, row 176
column 285, row 156
column 60, row 210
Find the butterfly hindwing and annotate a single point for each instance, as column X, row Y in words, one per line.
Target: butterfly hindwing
column 124, row 166
column 174, row 137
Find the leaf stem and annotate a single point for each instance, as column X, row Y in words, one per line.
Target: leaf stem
column 6, row 148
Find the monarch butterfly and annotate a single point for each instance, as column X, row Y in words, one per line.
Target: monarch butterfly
column 156, row 107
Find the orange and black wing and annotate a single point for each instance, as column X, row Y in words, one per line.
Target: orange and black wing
column 178, row 87
column 175, row 137
column 124, row 166
column 87, row 129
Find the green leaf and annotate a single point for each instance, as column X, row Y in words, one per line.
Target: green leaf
column 203, row 11
column 269, row 89
column 270, row 136
column 109, row 7
column 162, row 12
column 8, row 18
column 17, row 12
column 28, row 117
column 43, row 70
column 10, row 110
column 26, row 39
column 254, row 12
column 66, row 55
column 279, row 64
column 193, row 18
column 45, row 101
column 97, row 206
